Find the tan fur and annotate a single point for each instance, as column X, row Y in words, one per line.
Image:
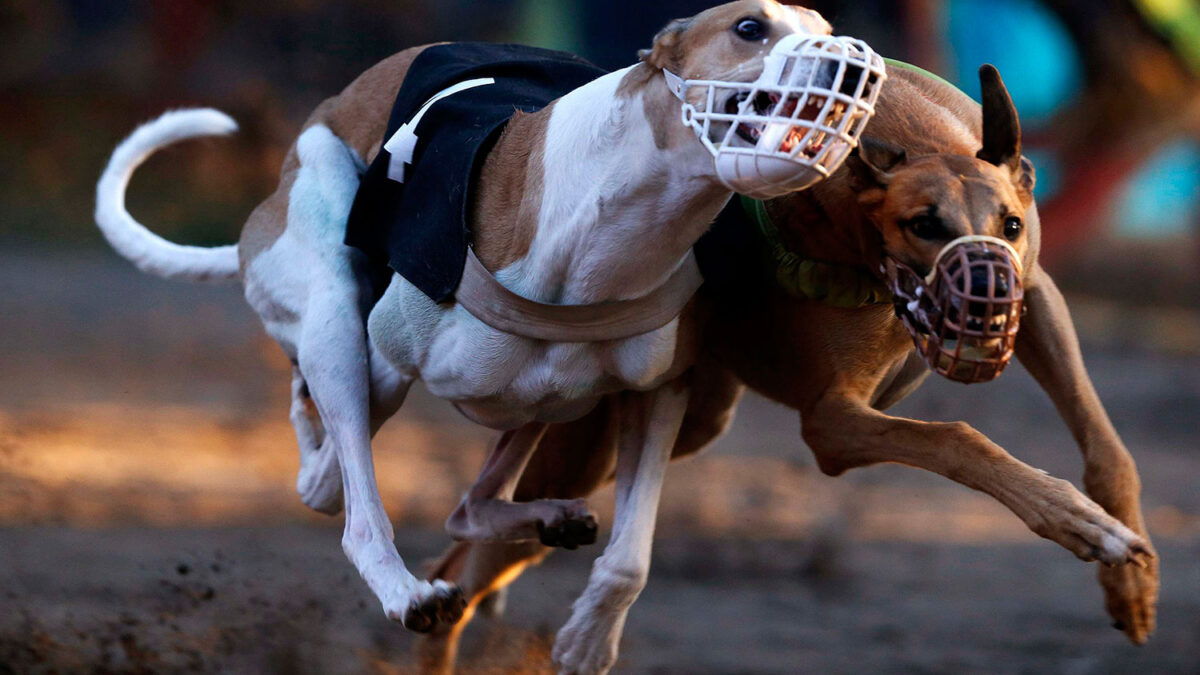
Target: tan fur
column 508, row 200
column 356, row 389
column 840, row 367
column 686, row 48
column 505, row 212
column 970, row 195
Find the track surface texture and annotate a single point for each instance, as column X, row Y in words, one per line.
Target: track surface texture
column 148, row 522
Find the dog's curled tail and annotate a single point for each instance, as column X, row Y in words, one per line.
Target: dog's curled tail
column 148, row 251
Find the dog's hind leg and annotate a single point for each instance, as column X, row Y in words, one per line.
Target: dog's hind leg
column 1048, row 347
column 308, row 288
column 333, row 356
column 487, row 512
column 649, row 426
column 844, row 432
column 319, row 480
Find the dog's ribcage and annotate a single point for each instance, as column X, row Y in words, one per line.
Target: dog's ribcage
column 501, row 380
column 495, row 378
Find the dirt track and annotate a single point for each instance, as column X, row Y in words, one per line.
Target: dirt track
column 149, row 523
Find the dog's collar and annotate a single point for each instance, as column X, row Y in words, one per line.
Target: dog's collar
column 842, row 286
column 489, row 301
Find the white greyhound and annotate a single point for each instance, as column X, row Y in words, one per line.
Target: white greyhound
column 595, row 199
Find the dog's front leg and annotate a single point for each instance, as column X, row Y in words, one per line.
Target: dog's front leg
column 333, row 360
column 844, row 432
column 649, row 425
column 487, row 512
column 1048, row 347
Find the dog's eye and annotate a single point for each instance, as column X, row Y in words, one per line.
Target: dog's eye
column 926, row 227
column 1013, row 228
column 750, row 29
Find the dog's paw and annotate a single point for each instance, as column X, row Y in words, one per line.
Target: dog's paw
column 587, row 645
column 1131, row 597
column 571, row 527
column 1078, row 524
column 435, row 604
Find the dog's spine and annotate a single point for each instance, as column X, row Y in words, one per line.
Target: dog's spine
column 148, row 251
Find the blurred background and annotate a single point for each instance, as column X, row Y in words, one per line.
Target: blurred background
column 148, row 521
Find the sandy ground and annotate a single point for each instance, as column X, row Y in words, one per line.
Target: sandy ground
column 148, row 521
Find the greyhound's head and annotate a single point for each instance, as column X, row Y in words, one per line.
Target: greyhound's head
column 956, row 239
column 776, row 100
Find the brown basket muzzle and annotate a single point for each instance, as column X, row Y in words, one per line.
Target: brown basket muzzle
column 964, row 316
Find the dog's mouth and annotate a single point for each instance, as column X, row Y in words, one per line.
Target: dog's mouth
column 768, row 104
column 976, row 322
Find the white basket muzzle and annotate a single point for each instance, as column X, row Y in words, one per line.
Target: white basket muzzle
column 796, row 123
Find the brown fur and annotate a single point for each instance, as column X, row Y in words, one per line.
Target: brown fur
column 509, row 199
column 840, row 367
column 358, row 116
column 505, row 213
column 686, row 48
column 685, row 45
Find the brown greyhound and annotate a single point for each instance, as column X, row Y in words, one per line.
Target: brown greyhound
column 922, row 182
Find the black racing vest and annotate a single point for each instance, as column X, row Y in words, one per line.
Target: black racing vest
column 420, row 228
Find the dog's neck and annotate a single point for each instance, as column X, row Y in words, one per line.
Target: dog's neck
column 826, row 224
column 623, row 194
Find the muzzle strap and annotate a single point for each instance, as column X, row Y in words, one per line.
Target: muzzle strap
column 974, row 239
column 676, row 84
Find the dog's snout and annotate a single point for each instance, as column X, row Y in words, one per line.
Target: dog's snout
column 987, row 282
column 850, row 78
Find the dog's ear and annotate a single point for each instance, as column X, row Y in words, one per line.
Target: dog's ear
column 880, row 158
column 666, row 53
column 871, row 165
column 1026, row 178
column 1001, row 126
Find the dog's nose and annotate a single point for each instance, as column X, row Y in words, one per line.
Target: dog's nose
column 850, row 79
column 980, row 286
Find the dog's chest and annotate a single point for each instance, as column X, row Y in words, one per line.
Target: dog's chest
column 502, row 380
column 496, row 377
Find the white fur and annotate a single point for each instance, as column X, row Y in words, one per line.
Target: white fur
column 306, row 289
column 149, row 252
column 618, row 215
column 587, row 644
column 607, row 191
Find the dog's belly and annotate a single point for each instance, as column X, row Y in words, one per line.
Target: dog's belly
column 498, row 414
column 504, row 381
